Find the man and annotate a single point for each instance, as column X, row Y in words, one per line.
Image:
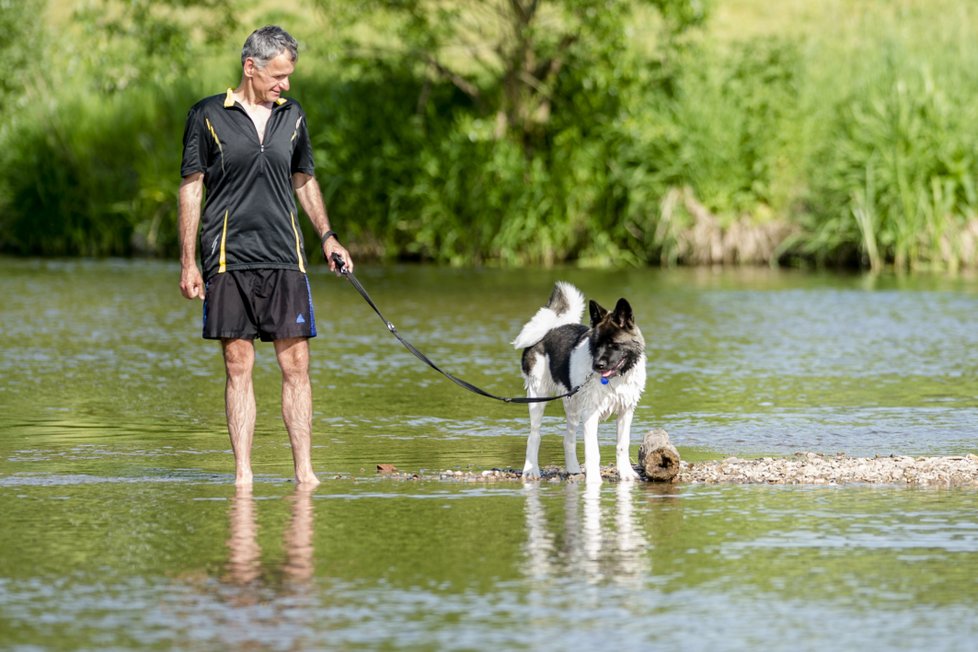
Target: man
column 250, row 149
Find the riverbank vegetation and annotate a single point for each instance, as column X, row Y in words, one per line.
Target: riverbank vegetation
column 596, row 132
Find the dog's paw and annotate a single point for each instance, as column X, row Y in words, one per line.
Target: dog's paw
column 627, row 474
column 531, row 472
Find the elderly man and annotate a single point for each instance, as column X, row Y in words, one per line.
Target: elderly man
column 250, row 149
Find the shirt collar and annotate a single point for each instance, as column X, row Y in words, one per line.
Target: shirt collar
column 229, row 99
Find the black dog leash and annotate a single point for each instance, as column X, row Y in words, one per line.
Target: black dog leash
column 341, row 265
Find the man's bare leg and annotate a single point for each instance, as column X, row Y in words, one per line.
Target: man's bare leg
column 293, row 358
column 239, row 403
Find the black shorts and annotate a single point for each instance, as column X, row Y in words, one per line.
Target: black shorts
column 270, row 304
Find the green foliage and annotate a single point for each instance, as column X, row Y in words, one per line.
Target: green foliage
column 896, row 180
column 366, row 139
column 508, row 149
column 20, row 26
column 149, row 42
column 604, row 132
column 89, row 165
column 507, row 56
column 94, row 177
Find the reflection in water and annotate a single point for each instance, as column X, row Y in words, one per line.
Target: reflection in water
column 539, row 540
column 632, row 544
column 298, row 566
column 244, row 553
column 255, row 603
column 244, row 566
column 596, row 546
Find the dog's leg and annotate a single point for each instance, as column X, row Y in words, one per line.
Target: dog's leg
column 592, row 456
column 625, row 471
column 570, row 436
column 531, row 467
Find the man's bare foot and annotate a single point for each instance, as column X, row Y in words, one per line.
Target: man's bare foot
column 307, row 481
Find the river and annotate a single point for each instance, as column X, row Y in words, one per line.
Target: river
column 122, row 530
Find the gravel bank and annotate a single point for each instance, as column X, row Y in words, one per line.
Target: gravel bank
column 800, row 468
column 813, row 468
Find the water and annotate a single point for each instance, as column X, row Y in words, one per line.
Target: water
column 121, row 530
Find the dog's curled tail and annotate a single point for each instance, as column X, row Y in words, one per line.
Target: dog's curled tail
column 565, row 306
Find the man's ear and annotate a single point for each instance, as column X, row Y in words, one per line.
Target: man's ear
column 248, row 68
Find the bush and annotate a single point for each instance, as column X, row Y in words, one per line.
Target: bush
column 94, row 176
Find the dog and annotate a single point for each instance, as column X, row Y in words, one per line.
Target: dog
column 606, row 362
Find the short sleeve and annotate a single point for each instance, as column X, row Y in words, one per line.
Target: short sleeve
column 302, row 160
column 194, row 144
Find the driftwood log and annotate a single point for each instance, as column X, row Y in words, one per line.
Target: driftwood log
column 657, row 456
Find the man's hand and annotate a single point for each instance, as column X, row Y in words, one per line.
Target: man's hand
column 332, row 246
column 191, row 283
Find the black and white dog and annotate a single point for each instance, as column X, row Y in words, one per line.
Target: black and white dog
column 607, row 362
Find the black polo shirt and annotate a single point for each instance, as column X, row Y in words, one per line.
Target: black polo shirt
column 249, row 219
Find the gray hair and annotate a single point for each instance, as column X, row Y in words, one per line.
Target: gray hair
column 268, row 42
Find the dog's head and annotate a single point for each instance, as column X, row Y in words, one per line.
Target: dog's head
column 616, row 342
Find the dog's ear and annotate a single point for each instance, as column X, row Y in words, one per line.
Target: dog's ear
column 623, row 315
column 597, row 312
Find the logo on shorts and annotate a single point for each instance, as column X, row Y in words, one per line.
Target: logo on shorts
column 300, row 319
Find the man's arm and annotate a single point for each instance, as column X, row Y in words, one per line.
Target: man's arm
column 188, row 212
column 311, row 199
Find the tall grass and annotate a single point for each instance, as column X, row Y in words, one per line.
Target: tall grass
column 899, row 157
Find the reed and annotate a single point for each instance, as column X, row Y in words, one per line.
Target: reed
column 897, row 149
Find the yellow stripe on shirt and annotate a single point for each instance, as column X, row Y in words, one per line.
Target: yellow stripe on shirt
column 224, row 238
column 217, row 140
column 298, row 243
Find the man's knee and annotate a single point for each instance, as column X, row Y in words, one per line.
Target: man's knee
column 293, row 358
column 239, row 357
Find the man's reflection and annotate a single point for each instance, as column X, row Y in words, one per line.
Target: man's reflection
column 298, row 538
column 244, row 553
column 244, row 567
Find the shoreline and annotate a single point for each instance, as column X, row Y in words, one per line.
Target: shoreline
column 798, row 469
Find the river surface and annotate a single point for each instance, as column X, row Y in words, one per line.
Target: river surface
column 120, row 528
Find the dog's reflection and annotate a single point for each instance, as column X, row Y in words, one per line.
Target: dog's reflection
column 244, row 566
column 591, row 544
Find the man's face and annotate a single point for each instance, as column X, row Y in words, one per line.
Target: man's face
column 272, row 80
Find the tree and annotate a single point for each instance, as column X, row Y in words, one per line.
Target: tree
column 508, row 56
column 152, row 43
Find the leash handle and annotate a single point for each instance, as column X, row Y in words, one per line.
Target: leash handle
column 341, row 266
column 340, row 263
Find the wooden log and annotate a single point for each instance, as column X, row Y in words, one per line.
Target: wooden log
column 657, row 456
